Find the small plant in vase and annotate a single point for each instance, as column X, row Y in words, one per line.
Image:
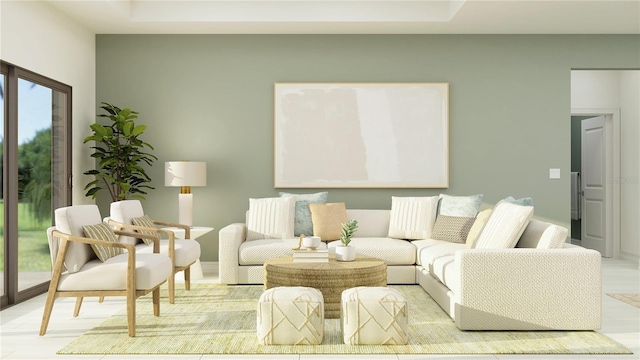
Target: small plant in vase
column 344, row 252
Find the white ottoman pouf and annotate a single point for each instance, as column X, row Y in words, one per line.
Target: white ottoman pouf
column 374, row 316
column 290, row 316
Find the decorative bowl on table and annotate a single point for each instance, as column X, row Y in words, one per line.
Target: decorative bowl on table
column 311, row 242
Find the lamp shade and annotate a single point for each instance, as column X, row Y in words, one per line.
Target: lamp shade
column 185, row 173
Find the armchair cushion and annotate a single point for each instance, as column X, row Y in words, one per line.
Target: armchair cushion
column 145, row 221
column 104, row 232
column 412, row 218
column 122, row 212
column 186, row 251
column 69, row 220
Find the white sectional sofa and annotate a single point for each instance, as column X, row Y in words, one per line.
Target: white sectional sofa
column 529, row 287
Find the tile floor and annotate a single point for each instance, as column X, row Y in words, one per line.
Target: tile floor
column 20, row 325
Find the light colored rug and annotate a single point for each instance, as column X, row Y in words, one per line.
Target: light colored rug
column 219, row 319
column 631, row 299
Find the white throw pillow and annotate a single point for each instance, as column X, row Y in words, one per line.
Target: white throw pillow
column 504, row 227
column 271, row 218
column 412, row 218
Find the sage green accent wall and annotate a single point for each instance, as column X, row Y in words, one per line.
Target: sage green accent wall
column 210, row 98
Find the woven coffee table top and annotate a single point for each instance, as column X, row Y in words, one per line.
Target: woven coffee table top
column 331, row 278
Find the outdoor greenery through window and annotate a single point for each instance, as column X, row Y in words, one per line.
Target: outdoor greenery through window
column 35, row 150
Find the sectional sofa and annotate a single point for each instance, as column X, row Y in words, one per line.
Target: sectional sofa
column 534, row 281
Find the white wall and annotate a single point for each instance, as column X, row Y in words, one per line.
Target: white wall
column 607, row 89
column 37, row 37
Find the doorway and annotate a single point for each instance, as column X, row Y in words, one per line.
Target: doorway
column 595, row 160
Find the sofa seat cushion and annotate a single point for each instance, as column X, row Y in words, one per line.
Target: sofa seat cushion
column 428, row 255
column 256, row 252
column 392, row 251
column 186, row 251
column 151, row 270
column 445, row 270
column 424, row 245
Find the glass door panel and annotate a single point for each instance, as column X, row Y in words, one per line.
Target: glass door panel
column 35, row 116
column 2, row 270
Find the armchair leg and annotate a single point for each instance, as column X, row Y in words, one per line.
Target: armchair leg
column 100, row 299
column 48, row 307
column 172, row 288
column 76, row 311
column 187, row 278
column 131, row 314
column 156, row 302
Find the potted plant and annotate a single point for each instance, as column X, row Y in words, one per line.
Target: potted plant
column 344, row 252
column 121, row 153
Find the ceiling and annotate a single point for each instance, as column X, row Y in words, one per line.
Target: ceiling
column 355, row 16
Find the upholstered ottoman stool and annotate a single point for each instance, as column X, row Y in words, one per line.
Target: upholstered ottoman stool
column 290, row 316
column 374, row 316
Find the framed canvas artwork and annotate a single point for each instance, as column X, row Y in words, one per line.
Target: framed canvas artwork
column 361, row 135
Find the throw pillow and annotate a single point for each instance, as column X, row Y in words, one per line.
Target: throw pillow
column 302, row 219
column 452, row 228
column 476, row 228
column 145, row 221
column 271, row 218
column 525, row 201
column 412, row 218
column 504, row 227
column 328, row 219
column 543, row 235
column 466, row 206
column 102, row 231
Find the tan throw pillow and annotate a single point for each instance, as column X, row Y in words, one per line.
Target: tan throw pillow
column 145, row 221
column 452, row 228
column 504, row 227
column 327, row 220
column 102, row 231
column 271, row 218
column 412, row 218
column 477, row 226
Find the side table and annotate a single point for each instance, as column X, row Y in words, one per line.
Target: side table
column 196, row 232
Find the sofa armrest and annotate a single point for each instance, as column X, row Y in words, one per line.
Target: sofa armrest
column 528, row 289
column 230, row 238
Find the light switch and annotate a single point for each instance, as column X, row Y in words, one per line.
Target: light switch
column 554, row 173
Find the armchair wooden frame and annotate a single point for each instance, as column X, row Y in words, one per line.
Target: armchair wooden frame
column 130, row 292
column 171, row 251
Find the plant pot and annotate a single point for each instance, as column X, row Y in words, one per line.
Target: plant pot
column 345, row 253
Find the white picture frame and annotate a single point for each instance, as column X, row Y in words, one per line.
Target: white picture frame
column 361, row 135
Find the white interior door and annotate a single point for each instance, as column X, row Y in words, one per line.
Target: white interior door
column 594, row 185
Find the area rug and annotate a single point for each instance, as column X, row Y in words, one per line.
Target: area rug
column 631, row 299
column 219, row 319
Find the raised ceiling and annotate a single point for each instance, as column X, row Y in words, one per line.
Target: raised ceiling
column 355, row 16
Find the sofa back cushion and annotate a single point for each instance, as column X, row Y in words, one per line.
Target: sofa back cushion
column 371, row 223
column 543, row 235
column 504, row 227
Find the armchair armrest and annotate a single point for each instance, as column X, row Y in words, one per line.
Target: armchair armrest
column 186, row 228
column 528, row 289
column 230, row 238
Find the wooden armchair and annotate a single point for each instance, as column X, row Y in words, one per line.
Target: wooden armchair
column 129, row 215
column 78, row 272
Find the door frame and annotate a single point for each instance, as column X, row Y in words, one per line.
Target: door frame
column 612, row 146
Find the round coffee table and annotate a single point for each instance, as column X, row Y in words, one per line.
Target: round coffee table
column 331, row 278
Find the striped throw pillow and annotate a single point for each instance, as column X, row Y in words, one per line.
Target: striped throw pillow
column 504, row 227
column 145, row 221
column 412, row 218
column 102, row 231
column 271, row 218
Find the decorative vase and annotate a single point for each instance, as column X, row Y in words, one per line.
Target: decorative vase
column 345, row 253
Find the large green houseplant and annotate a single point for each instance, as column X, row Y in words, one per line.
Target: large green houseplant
column 121, row 154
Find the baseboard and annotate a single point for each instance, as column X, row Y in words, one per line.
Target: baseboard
column 210, row 267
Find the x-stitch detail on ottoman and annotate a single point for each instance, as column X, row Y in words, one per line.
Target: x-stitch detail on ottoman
column 290, row 316
column 374, row 316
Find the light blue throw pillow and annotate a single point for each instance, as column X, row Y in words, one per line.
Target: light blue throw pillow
column 525, row 201
column 466, row 206
column 303, row 224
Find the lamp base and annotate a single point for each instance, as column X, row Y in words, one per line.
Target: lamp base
column 185, row 209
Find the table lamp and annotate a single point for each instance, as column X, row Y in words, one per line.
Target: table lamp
column 185, row 174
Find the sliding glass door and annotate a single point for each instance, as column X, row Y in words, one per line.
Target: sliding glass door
column 36, row 172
